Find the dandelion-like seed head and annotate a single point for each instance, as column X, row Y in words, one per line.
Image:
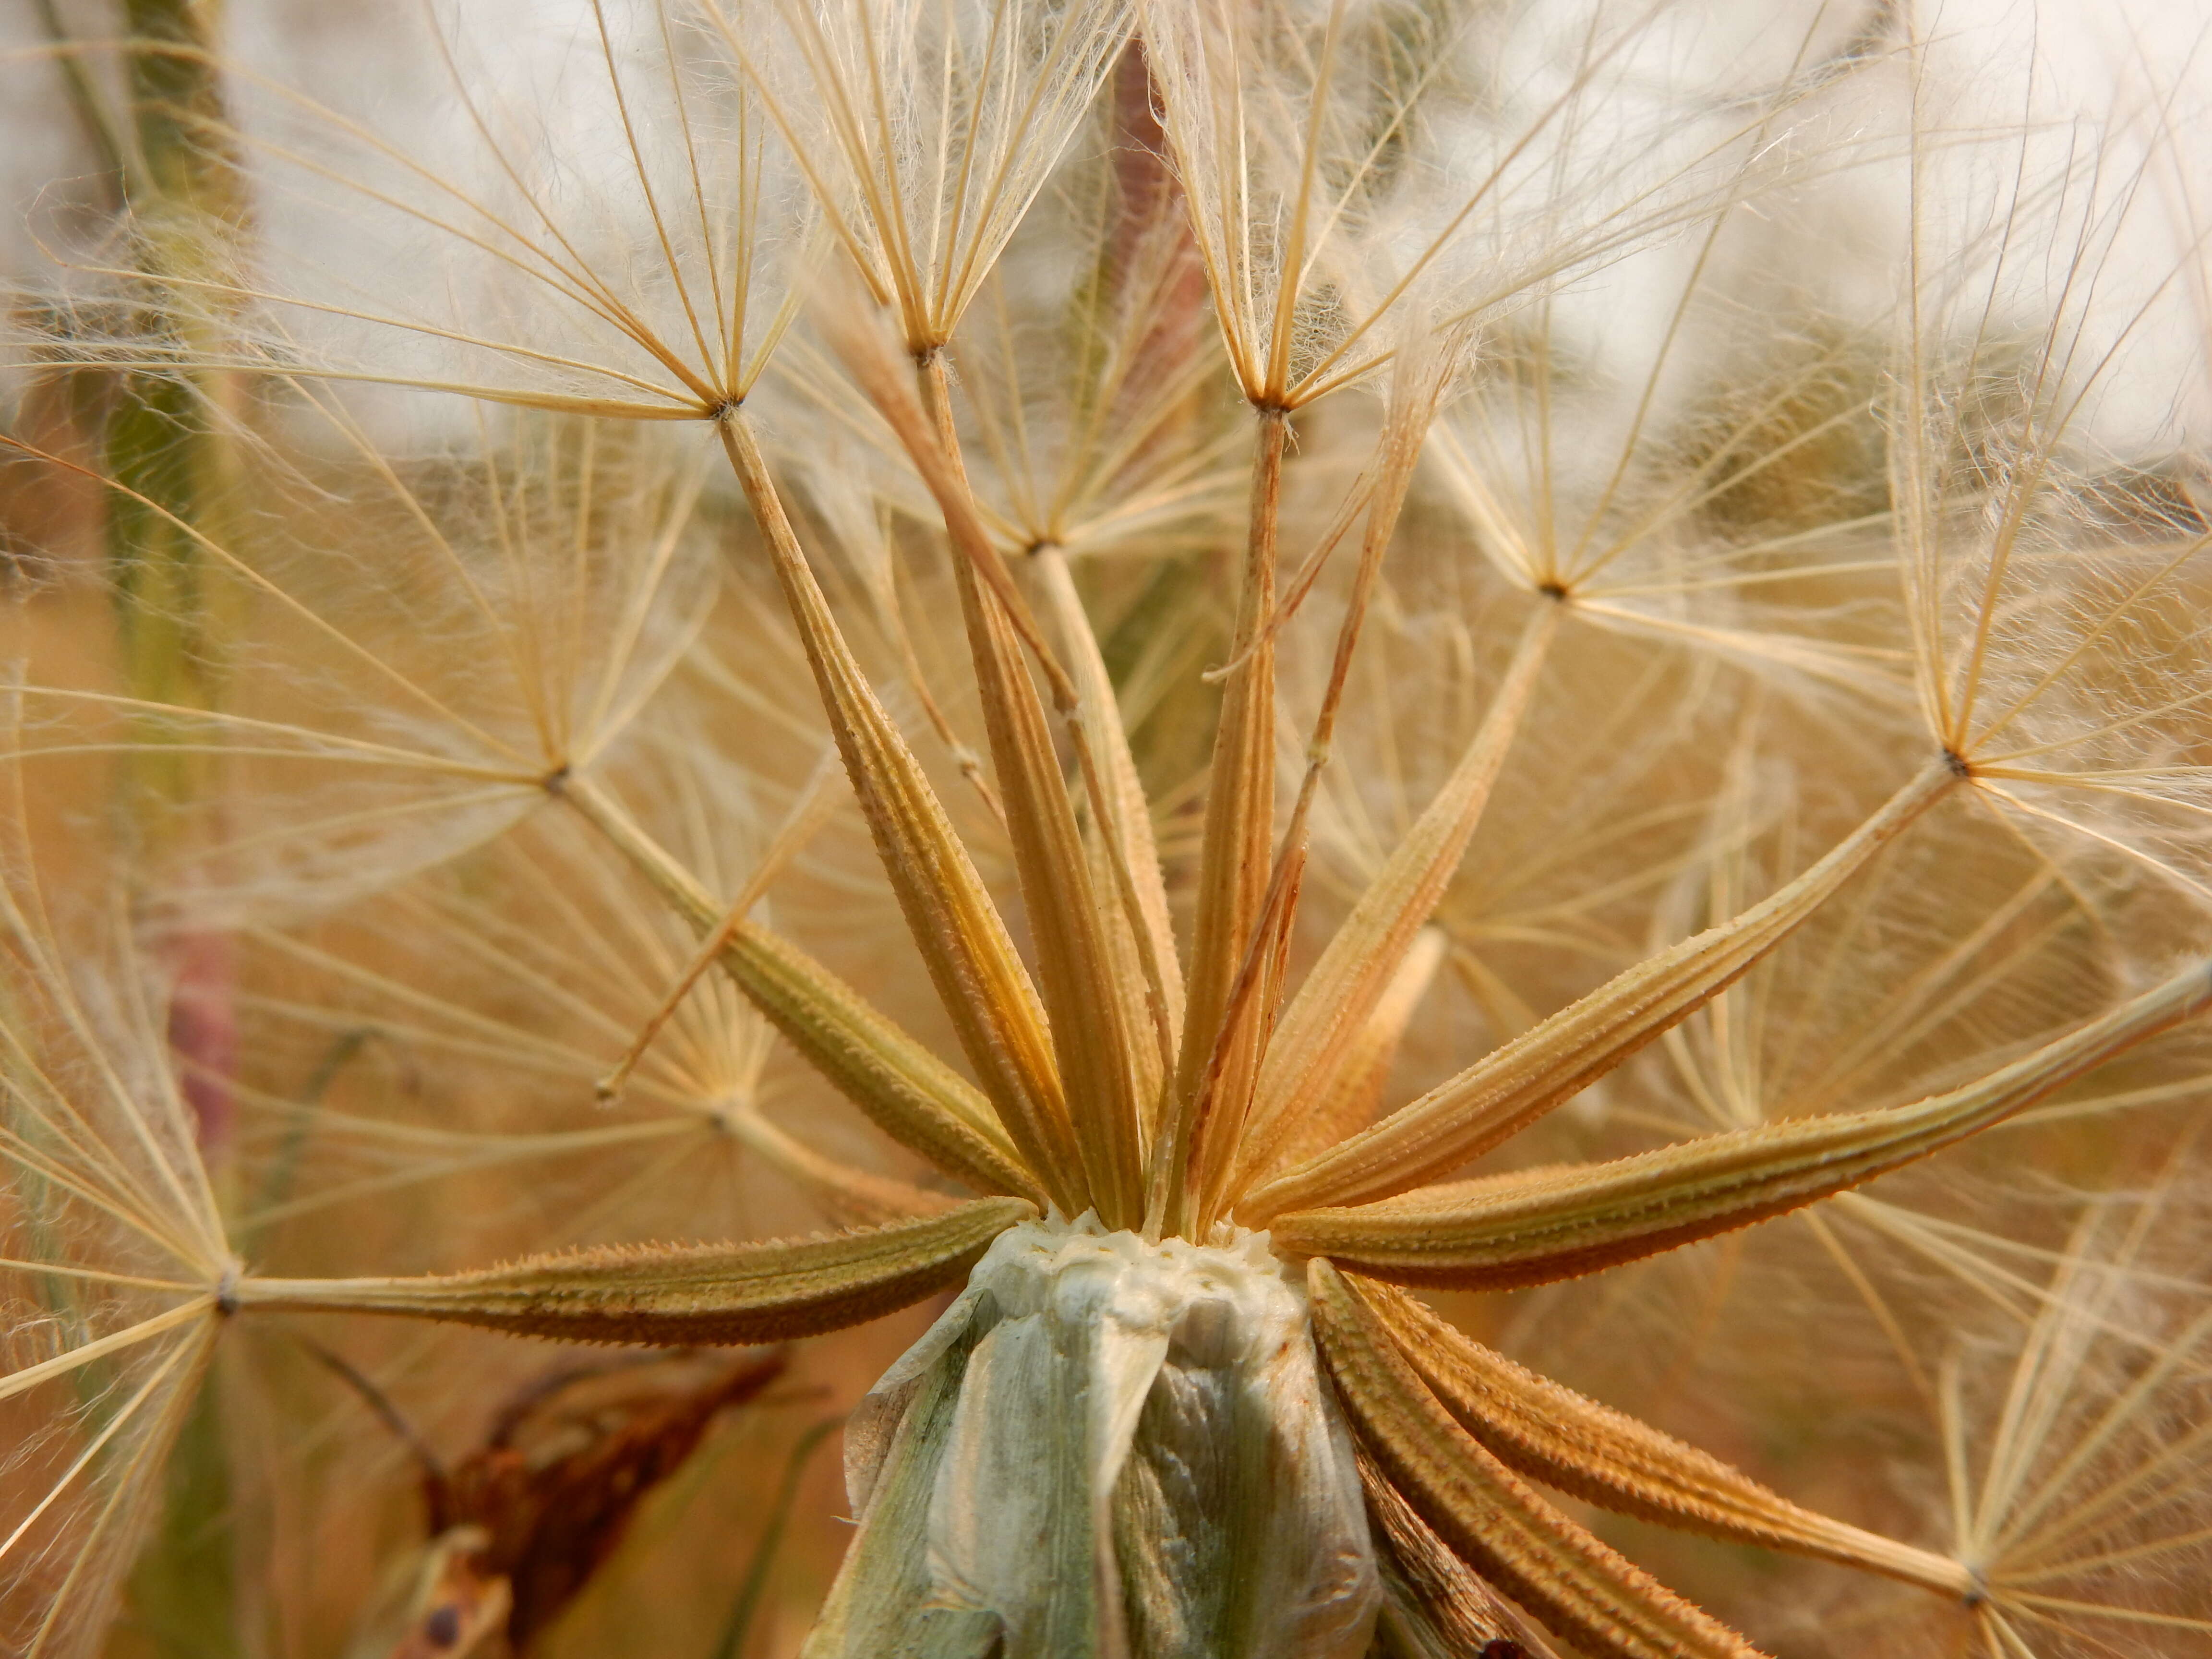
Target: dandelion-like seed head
column 759, row 612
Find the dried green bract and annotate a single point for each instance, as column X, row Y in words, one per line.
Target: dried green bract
column 1107, row 1445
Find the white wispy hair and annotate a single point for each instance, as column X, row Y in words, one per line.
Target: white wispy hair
column 588, row 211
column 2050, row 556
column 1341, row 158
column 113, row 1264
column 926, row 131
column 529, row 593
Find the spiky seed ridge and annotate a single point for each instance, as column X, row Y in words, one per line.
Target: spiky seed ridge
column 1530, row 1228
column 1488, row 1515
column 675, row 1296
column 1550, row 1433
column 1502, row 1094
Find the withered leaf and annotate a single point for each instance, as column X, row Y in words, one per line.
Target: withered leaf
column 560, row 1477
column 522, row 1523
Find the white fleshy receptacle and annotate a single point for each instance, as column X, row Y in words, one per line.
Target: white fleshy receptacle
column 1106, row 1447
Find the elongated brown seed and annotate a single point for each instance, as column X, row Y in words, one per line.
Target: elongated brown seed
column 1548, row 1224
column 1548, row 1432
column 681, row 1295
column 1491, row 1518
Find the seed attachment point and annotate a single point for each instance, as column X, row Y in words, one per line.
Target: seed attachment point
column 1978, row 1595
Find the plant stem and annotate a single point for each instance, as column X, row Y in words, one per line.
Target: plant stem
column 1234, row 858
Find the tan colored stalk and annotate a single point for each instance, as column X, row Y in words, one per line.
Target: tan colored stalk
column 1150, row 944
column 679, row 1295
column 1248, row 1024
column 1234, row 853
column 816, row 801
column 850, row 1197
column 1066, row 920
column 1489, row 1516
column 1320, row 1033
column 1550, row 1433
column 1509, row 1089
column 903, row 1089
column 1091, row 1039
column 1550, row 1225
column 1349, row 1105
column 963, row 942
